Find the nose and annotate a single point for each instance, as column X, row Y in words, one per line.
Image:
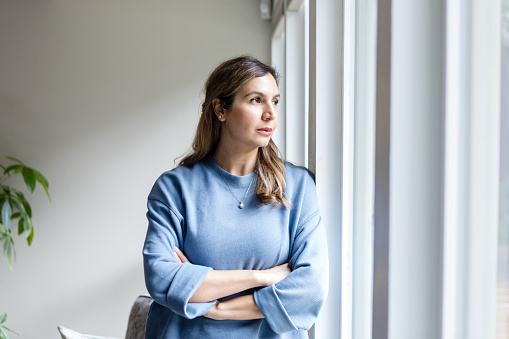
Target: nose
column 269, row 112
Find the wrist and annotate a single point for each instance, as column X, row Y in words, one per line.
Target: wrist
column 260, row 278
column 214, row 312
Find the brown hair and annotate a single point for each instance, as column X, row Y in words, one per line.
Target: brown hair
column 223, row 83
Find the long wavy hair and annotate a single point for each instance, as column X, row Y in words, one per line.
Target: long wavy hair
column 223, row 83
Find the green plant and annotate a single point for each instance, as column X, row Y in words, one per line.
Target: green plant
column 14, row 206
column 3, row 329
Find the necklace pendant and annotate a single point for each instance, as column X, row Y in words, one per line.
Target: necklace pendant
column 241, row 203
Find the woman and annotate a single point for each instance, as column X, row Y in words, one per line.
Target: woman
column 235, row 247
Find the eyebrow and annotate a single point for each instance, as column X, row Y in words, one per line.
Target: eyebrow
column 260, row 94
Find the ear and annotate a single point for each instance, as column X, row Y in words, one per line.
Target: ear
column 218, row 109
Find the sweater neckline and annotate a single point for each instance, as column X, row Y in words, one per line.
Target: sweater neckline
column 234, row 181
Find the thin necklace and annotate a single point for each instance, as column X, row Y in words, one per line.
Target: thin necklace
column 241, row 202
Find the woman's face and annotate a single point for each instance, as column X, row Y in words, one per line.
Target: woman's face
column 253, row 116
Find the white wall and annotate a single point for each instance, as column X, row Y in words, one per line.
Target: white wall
column 101, row 96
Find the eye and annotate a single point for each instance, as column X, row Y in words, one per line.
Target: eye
column 275, row 102
column 256, row 100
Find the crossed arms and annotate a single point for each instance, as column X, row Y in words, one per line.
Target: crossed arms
column 218, row 284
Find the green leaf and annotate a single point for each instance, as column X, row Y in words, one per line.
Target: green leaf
column 8, row 251
column 15, row 160
column 4, row 193
column 27, row 226
column 13, row 168
column 43, row 181
column 29, row 177
column 6, row 243
column 30, row 236
column 20, row 209
column 12, row 247
column 15, row 215
column 3, row 334
column 24, row 202
column 21, row 227
column 3, row 232
column 6, row 215
column 3, row 317
column 8, row 329
column 28, row 209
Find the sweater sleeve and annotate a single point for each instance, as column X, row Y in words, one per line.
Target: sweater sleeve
column 169, row 283
column 294, row 303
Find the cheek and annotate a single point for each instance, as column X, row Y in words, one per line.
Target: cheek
column 239, row 125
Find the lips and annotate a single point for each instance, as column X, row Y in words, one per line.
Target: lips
column 265, row 131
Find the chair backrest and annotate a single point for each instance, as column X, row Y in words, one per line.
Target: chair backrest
column 138, row 318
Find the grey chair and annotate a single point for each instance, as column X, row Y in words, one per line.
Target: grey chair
column 138, row 318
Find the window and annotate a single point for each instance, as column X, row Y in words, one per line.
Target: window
column 403, row 129
column 503, row 232
column 329, row 127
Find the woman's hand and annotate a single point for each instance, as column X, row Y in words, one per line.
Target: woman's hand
column 274, row 275
column 179, row 256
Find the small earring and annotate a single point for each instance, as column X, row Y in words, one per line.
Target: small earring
column 219, row 117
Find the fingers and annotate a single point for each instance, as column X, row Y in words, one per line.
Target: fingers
column 177, row 258
column 284, row 266
column 280, row 268
column 277, row 273
column 285, row 270
column 180, row 257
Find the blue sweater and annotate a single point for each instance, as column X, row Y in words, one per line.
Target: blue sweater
column 191, row 207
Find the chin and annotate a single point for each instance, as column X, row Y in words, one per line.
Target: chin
column 261, row 142
column 264, row 144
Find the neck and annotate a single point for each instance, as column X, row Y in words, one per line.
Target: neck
column 236, row 162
